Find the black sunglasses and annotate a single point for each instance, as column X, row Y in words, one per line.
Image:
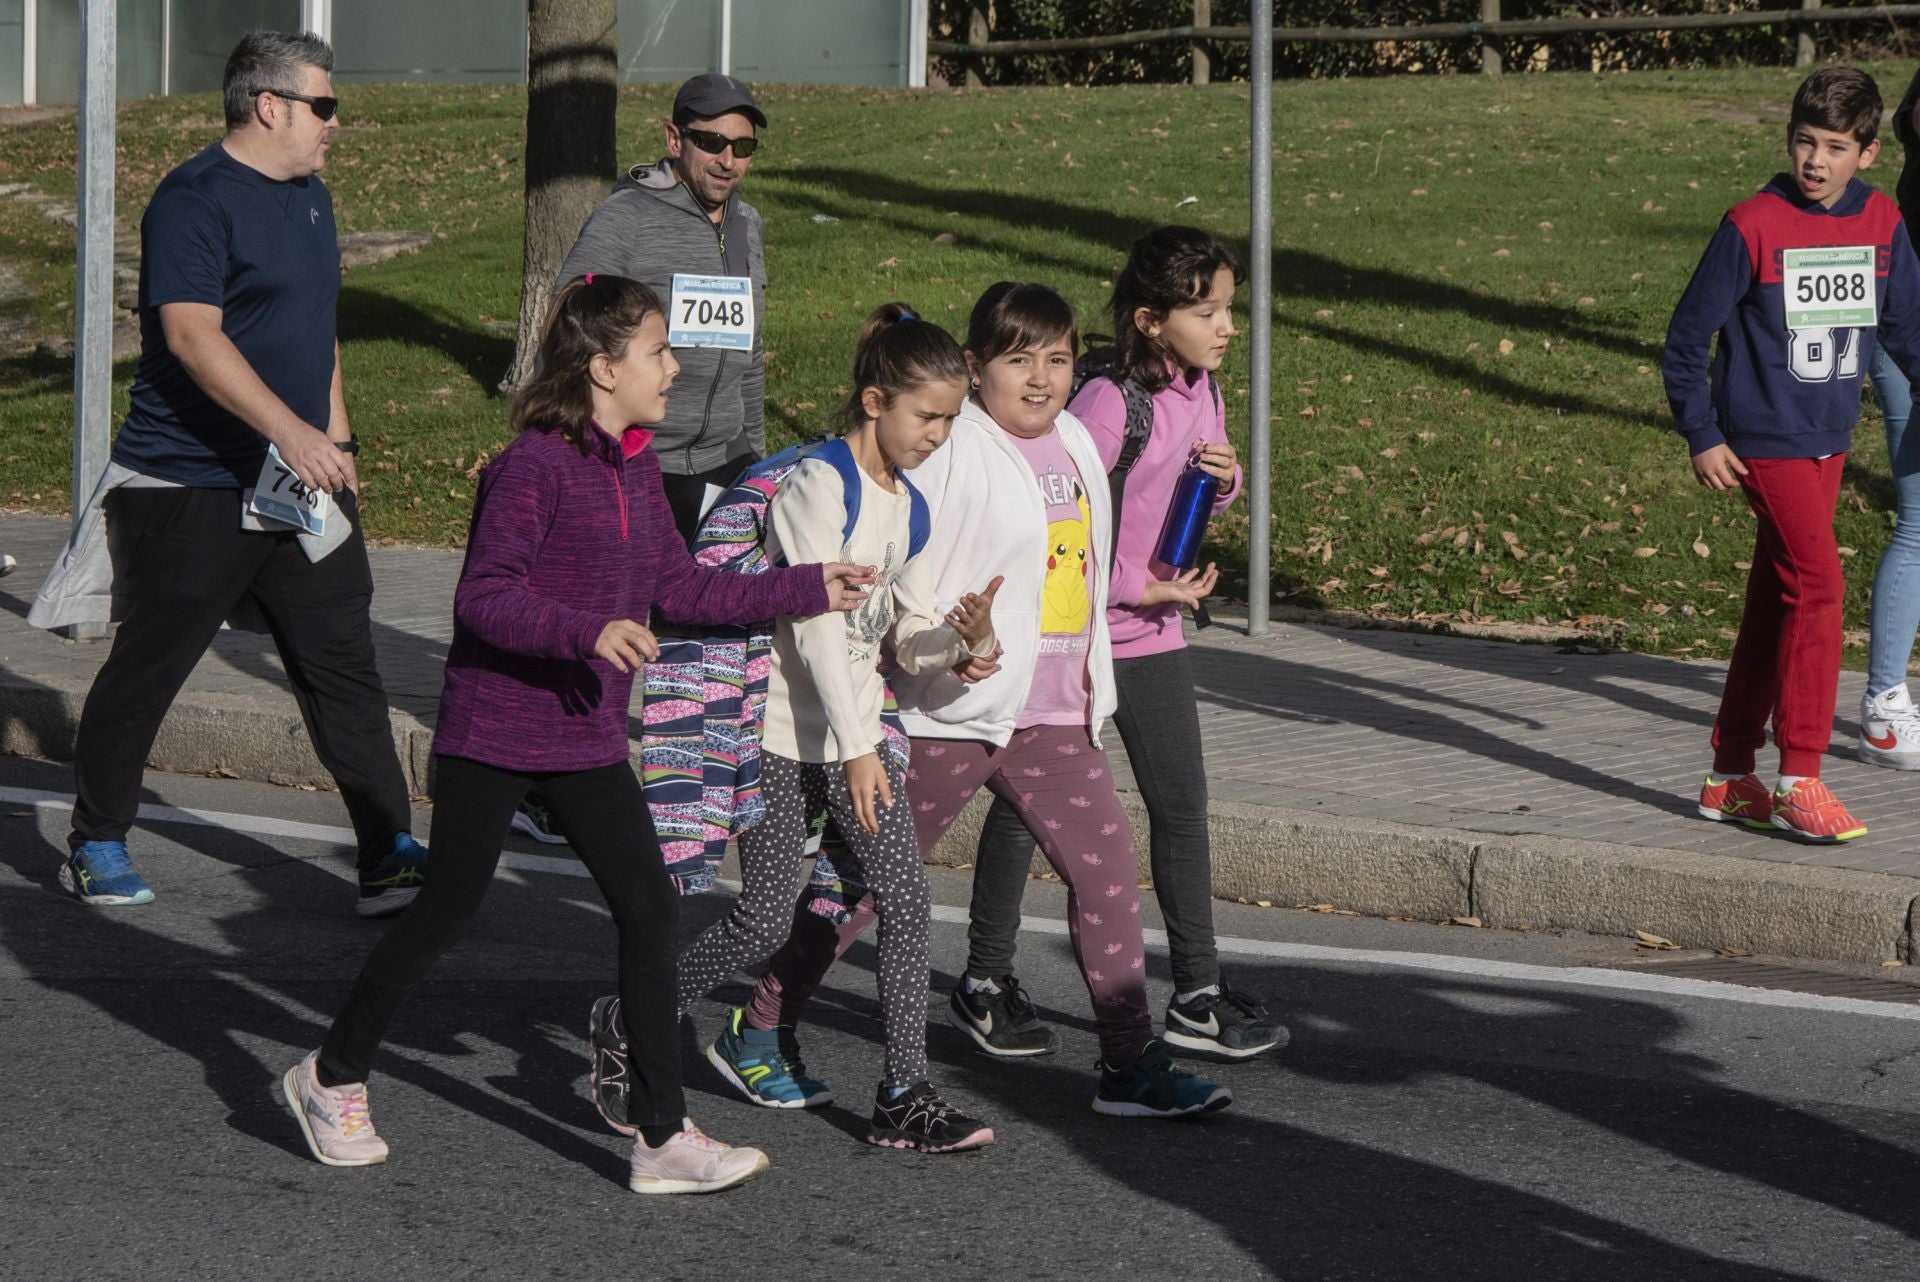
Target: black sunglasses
column 323, row 108
column 707, row 140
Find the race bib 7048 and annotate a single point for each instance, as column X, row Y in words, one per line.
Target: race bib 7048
column 1829, row 288
column 711, row 311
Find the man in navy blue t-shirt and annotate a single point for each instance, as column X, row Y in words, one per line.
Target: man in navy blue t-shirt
column 239, row 277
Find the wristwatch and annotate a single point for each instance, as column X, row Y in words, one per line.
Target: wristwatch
column 347, row 447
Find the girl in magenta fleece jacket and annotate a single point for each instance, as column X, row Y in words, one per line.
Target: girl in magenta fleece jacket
column 572, row 546
column 1172, row 321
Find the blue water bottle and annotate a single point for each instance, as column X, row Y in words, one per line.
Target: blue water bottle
column 1187, row 518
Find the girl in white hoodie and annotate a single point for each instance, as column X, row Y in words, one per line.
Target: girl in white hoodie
column 1019, row 495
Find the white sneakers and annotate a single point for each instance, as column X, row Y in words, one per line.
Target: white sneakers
column 335, row 1120
column 690, row 1162
column 1890, row 730
column 339, row 1130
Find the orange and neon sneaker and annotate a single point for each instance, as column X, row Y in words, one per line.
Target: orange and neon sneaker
column 1815, row 815
column 1745, row 800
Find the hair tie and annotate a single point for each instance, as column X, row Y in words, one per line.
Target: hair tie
column 904, row 316
column 589, row 278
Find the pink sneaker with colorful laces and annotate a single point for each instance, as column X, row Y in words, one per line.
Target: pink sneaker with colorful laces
column 335, row 1119
column 1815, row 815
column 1745, row 800
column 691, row 1162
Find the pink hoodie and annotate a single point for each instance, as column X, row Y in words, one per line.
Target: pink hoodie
column 1183, row 417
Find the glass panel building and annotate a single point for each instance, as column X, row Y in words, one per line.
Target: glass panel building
column 180, row 46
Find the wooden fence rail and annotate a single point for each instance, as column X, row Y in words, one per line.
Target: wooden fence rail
column 1489, row 30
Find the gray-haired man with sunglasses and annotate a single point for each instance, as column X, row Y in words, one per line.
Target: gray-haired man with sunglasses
column 239, row 277
column 680, row 227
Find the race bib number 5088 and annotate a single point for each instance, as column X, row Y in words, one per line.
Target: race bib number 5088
column 1829, row 288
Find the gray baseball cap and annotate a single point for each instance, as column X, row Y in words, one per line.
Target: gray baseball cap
column 711, row 94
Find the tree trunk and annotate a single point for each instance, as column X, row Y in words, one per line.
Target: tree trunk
column 572, row 78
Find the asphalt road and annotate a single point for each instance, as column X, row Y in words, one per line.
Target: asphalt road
column 1456, row 1104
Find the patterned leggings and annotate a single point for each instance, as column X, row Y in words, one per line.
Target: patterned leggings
column 1062, row 787
column 770, row 875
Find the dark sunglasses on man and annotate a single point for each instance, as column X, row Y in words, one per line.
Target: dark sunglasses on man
column 708, row 141
column 323, row 108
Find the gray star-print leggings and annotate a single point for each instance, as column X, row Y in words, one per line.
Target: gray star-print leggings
column 772, row 869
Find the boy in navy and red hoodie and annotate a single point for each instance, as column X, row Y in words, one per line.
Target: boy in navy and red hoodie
column 1798, row 284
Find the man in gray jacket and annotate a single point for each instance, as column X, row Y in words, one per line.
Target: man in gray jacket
column 680, row 227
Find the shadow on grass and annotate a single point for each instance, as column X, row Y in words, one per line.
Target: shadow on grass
column 367, row 315
column 909, row 205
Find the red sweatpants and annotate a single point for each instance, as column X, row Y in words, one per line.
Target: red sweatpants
column 1787, row 661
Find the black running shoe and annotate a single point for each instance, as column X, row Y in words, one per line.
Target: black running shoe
column 1001, row 1020
column 920, row 1119
column 1224, row 1025
column 607, row 1049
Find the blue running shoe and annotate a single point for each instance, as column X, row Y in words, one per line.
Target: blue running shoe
column 764, row 1065
column 1150, row 1086
column 392, row 884
column 100, row 873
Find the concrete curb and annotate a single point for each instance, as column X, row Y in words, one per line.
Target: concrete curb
column 204, row 734
column 1286, row 856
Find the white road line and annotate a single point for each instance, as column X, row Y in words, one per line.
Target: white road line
column 1440, row 963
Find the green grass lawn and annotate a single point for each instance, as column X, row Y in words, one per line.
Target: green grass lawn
column 1473, row 276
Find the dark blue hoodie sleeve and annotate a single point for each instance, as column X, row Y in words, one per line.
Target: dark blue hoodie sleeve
column 1899, row 330
column 1724, row 273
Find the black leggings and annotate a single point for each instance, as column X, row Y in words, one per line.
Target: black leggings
column 605, row 818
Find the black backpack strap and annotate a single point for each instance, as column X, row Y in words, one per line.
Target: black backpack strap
column 1139, row 427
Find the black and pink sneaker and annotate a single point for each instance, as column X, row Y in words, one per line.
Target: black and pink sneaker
column 920, row 1119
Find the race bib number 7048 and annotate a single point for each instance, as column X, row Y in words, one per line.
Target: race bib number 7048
column 1829, row 288
column 711, row 311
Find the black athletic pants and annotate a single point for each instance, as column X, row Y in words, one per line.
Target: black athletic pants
column 181, row 564
column 605, row 819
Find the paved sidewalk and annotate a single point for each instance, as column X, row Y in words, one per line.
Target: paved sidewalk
column 1343, row 732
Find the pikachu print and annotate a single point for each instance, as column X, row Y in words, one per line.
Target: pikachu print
column 1065, row 602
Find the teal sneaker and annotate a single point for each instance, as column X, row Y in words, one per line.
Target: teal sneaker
column 100, row 873
column 1150, row 1086
column 395, row 881
column 764, row 1065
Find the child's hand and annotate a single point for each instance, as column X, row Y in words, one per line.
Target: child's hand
column 973, row 671
column 1718, row 469
column 625, row 644
column 866, row 780
column 847, row 584
column 1217, row 460
column 972, row 618
column 1190, row 589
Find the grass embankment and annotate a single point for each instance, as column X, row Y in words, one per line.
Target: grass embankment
column 1474, row 278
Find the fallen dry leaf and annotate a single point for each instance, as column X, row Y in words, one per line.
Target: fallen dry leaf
column 1475, row 922
column 1734, row 952
column 1657, row 943
column 1506, row 347
column 1700, row 548
column 1646, row 552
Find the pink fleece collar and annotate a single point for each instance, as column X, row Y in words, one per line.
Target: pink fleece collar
column 634, row 439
